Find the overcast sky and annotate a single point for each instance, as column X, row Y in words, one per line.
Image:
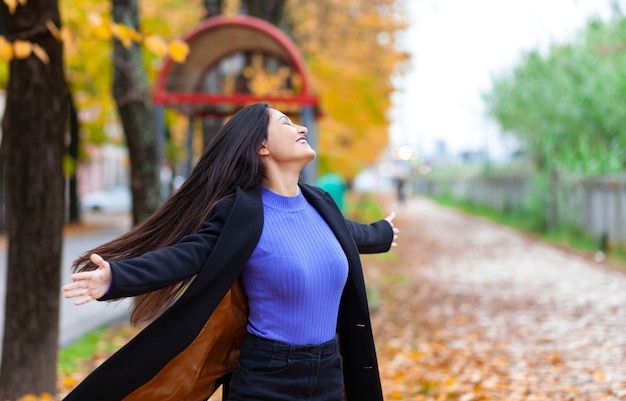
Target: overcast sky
column 455, row 45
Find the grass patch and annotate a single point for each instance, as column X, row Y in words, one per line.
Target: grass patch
column 363, row 208
column 70, row 357
column 511, row 219
column 99, row 342
column 571, row 237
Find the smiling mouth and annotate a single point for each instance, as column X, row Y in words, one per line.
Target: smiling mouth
column 301, row 140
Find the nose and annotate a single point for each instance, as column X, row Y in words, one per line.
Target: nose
column 302, row 129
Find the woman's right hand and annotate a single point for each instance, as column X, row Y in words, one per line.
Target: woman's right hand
column 90, row 285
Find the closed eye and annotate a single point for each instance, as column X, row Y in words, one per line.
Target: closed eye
column 286, row 120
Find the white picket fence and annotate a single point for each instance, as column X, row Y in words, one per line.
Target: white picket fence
column 597, row 206
column 604, row 211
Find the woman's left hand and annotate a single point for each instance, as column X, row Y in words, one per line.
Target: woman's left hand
column 389, row 219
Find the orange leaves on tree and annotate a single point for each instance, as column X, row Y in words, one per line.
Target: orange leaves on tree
column 156, row 44
column 54, row 30
column 33, row 397
column 351, row 67
column 62, row 35
column 125, row 34
column 21, row 49
column 104, row 29
column 40, row 53
column 87, row 32
column 12, row 4
column 6, row 49
column 178, row 50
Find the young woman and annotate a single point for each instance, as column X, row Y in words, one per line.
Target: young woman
column 244, row 270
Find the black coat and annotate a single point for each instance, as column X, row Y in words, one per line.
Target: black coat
column 216, row 254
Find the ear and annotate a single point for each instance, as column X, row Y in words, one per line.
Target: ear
column 264, row 151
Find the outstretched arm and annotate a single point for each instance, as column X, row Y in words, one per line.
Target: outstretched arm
column 377, row 237
column 151, row 271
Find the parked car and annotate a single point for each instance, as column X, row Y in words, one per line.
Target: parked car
column 115, row 199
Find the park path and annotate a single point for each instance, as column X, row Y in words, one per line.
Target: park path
column 470, row 310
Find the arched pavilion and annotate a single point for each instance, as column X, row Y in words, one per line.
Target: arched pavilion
column 234, row 62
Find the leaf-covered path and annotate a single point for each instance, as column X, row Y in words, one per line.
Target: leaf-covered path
column 470, row 310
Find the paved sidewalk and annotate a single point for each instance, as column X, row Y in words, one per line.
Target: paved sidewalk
column 96, row 229
column 474, row 310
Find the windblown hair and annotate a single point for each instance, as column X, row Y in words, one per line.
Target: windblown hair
column 229, row 161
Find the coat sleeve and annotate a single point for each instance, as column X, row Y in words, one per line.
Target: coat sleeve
column 166, row 266
column 371, row 238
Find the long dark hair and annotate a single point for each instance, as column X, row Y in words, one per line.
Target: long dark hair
column 229, row 161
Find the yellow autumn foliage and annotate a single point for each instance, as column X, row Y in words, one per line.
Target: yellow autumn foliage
column 125, row 34
column 351, row 52
column 178, row 50
column 33, row 397
column 6, row 49
column 22, row 49
column 156, row 44
column 351, row 64
column 53, row 29
column 40, row 53
column 102, row 28
column 87, row 31
column 11, row 5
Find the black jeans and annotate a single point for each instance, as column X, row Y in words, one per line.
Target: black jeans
column 275, row 371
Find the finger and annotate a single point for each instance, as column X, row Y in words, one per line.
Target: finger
column 69, row 287
column 82, row 276
column 83, row 301
column 97, row 260
column 76, row 292
column 75, row 285
column 391, row 216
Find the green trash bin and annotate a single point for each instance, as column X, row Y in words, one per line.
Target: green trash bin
column 335, row 185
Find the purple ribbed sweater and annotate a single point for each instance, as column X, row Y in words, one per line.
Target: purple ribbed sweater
column 295, row 276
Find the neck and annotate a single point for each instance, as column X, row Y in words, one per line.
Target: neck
column 283, row 184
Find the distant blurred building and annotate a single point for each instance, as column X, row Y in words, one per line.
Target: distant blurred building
column 106, row 168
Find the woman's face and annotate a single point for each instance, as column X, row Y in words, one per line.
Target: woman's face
column 286, row 142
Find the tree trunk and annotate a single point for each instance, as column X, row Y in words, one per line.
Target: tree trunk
column 3, row 224
column 34, row 140
column 72, row 153
column 268, row 10
column 3, row 221
column 132, row 97
column 213, row 7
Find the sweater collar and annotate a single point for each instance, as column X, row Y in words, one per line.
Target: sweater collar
column 284, row 203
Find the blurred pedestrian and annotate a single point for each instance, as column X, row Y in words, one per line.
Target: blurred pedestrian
column 401, row 176
column 400, row 188
column 244, row 270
